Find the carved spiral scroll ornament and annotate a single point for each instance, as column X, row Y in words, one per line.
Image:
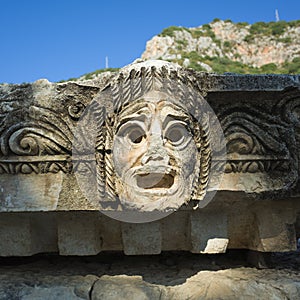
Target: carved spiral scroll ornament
column 39, row 143
column 76, row 110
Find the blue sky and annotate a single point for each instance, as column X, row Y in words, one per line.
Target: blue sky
column 59, row 39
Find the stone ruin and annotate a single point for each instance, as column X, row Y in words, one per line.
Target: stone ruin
column 155, row 158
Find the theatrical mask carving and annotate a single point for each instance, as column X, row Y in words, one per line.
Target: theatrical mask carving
column 154, row 154
column 152, row 144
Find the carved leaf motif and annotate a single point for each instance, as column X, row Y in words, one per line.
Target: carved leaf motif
column 252, row 132
column 239, row 143
column 289, row 106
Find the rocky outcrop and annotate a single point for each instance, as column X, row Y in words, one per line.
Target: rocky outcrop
column 252, row 45
column 223, row 46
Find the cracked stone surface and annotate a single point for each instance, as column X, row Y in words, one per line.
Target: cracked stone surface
column 177, row 275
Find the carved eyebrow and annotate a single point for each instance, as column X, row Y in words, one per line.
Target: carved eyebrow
column 183, row 118
column 135, row 117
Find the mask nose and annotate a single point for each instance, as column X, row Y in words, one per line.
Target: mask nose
column 156, row 153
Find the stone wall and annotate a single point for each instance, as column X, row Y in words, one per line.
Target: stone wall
column 256, row 206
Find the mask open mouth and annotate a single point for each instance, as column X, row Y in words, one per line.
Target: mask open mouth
column 155, row 180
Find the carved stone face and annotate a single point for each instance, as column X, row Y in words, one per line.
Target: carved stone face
column 154, row 154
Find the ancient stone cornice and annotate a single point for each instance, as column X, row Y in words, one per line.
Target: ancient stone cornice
column 37, row 123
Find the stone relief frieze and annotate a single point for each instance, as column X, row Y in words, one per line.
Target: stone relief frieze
column 38, row 139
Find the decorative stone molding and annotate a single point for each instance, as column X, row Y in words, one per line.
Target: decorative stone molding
column 43, row 164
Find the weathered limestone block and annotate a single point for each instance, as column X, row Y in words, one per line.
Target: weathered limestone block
column 168, row 276
column 209, row 232
column 27, row 234
column 15, row 236
column 30, row 287
column 275, row 235
column 78, row 235
column 246, row 285
column 33, row 192
column 224, row 284
column 141, row 238
column 206, row 162
column 128, row 287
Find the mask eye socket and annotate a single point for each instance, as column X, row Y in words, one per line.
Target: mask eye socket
column 132, row 132
column 177, row 135
column 136, row 135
